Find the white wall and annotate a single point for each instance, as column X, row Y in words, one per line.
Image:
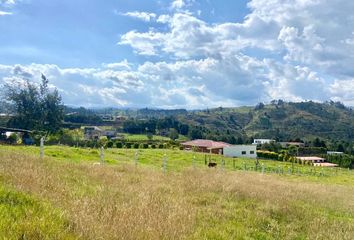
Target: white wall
column 262, row 141
column 248, row 151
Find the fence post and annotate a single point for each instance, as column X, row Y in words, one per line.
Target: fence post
column 102, row 155
column 244, row 166
column 136, row 156
column 233, row 163
column 41, row 150
column 262, row 168
column 193, row 162
column 164, row 165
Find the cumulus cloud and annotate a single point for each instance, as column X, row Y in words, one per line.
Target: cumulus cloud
column 299, row 50
column 3, row 13
column 291, row 49
column 145, row 16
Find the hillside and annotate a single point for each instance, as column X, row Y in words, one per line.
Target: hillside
column 279, row 120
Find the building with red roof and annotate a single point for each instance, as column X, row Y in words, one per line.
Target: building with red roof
column 204, row 145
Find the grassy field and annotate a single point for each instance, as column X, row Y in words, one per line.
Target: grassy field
column 67, row 196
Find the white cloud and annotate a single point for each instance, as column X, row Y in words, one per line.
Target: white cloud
column 177, row 4
column 145, row 16
column 3, row 13
column 119, row 65
column 291, row 49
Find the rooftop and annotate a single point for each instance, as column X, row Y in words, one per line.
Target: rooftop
column 206, row 143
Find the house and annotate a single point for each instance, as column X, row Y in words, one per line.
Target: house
column 317, row 161
column 110, row 134
column 249, row 151
column 207, row 146
column 262, row 141
column 311, row 159
column 93, row 132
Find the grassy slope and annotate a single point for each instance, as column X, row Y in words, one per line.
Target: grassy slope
column 290, row 120
column 143, row 137
column 117, row 200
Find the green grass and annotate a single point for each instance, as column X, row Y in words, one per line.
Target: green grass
column 120, row 201
column 25, row 217
column 180, row 160
column 143, row 137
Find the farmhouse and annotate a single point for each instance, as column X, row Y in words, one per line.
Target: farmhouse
column 317, row 161
column 241, row 151
column 91, row 133
column 262, row 141
column 207, row 146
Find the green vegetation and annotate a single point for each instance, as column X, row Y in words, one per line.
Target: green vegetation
column 118, row 200
column 25, row 217
column 36, row 107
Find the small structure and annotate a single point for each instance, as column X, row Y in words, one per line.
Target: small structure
column 207, row 146
column 24, row 134
column 262, row 141
column 91, row 133
column 248, row 151
column 110, row 134
column 334, row 153
column 311, row 159
column 317, row 161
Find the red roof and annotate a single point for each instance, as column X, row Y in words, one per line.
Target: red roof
column 206, row 143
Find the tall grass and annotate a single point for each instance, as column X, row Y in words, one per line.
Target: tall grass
column 125, row 202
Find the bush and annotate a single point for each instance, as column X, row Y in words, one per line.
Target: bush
column 145, row 145
column 343, row 160
column 311, row 150
column 128, row 145
column 13, row 138
column 119, row 144
column 269, row 155
column 160, row 146
column 109, row 144
column 136, row 145
column 153, row 146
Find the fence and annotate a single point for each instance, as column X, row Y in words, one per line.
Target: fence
column 170, row 160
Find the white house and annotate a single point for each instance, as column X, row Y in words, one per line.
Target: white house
column 248, row 151
column 262, row 141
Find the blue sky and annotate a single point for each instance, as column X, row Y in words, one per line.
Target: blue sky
column 181, row 53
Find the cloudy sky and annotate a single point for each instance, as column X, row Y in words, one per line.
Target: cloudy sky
column 181, row 53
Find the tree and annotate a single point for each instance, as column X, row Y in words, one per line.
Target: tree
column 173, row 134
column 36, row 107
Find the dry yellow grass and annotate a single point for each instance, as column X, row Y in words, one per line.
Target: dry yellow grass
column 124, row 202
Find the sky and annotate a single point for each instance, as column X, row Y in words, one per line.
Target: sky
column 181, row 53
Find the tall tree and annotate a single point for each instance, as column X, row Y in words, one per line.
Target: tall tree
column 36, row 107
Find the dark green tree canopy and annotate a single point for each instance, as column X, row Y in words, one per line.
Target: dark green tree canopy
column 36, row 107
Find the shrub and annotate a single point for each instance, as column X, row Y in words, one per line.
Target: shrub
column 109, row 144
column 13, row 138
column 153, row 146
column 268, row 155
column 160, row 146
column 145, row 145
column 136, row 145
column 119, row 144
column 128, row 145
